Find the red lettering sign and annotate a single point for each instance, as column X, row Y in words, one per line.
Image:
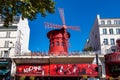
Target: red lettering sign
column 30, row 69
column 58, row 69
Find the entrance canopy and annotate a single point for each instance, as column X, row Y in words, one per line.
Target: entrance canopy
column 3, row 72
column 3, row 68
column 3, row 63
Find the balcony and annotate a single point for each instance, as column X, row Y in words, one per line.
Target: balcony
column 42, row 57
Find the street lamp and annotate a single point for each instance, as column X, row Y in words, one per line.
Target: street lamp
column 11, row 46
column 97, row 68
column 99, row 65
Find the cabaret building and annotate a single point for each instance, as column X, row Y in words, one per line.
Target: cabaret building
column 56, row 67
column 58, row 64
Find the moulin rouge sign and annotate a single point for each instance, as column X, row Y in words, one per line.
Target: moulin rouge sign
column 30, row 69
column 59, row 69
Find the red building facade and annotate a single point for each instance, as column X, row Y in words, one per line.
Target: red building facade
column 57, row 70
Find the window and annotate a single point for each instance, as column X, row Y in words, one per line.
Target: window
column 104, row 31
column 8, row 34
column 105, row 41
column 95, row 36
column 109, row 22
column 111, row 31
column 16, row 18
column 113, row 50
column 52, row 44
column 63, row 44
column 112, row 41
column 102, row 22
column 6, row 44
column 117, row 22
column 117, row 31
column 6, row 53
column 57, row 43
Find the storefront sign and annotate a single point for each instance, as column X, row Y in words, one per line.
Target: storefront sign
column 59, row 69
column 73, row 69
column 30, row 69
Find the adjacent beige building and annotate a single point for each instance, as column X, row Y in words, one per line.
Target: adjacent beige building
column 103, row 35
column 15, row 39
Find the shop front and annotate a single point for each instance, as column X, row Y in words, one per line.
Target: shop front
column 112, row 62
column 55, row 71
column 5, row 68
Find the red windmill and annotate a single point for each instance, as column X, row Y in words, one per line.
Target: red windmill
column 59, row 38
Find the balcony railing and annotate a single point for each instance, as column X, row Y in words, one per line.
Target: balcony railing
column 55, row 54
column 74, row 53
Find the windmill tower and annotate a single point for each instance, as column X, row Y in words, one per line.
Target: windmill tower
column 58, row 38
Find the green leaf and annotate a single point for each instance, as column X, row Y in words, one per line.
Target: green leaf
column 27, row 8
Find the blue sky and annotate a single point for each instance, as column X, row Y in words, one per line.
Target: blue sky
column 80, row 13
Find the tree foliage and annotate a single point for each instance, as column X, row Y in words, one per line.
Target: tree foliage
column 84, row 77
column 32, row 78
column 88, row 49
column 25, row 8
column 22, row 77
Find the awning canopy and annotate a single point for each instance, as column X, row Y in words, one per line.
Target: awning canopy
column 3, row 63
column 30, row 75
column 3, row 72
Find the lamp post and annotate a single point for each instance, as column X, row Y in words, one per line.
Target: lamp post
column 99, row 66
column 10, row 47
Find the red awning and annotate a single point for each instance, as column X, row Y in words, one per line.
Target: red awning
column 53, row 75
column 30, row 75
column 72, row 75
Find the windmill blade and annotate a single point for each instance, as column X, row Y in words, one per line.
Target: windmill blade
column 77, row 28
column 51, row 25
column 61, row 12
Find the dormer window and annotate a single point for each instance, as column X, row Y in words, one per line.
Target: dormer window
column 102, row 22
column 109, row 22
